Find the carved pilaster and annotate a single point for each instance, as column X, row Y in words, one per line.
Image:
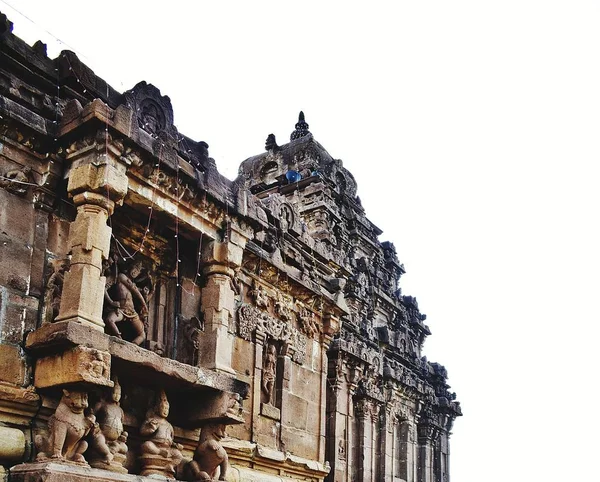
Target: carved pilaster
column 97, row 181
column 218, row 303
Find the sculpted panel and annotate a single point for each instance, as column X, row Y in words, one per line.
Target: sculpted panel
column 251, row 320
column 128, row 289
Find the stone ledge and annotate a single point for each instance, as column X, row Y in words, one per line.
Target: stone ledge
column 57, row 472
column 260, row 455
column 130, row 360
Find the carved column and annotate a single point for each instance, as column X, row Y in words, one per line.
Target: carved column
column 425, row 465
column 363, row 411
column 337, row 414
column 218, row 303
column 96, row 182
column 389, row 442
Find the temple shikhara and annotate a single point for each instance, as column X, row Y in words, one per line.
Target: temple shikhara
column 158, row 320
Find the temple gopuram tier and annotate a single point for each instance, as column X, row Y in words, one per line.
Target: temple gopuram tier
column 158, row 320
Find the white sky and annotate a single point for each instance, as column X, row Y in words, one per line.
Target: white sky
column 472, row 128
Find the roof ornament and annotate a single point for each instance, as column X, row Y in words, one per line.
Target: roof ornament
column 271, row 143
column 301, row 128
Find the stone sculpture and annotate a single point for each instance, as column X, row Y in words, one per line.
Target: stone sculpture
column 17, row 181
column 160, row 454
column 124, row 302
column 269, row 373
column 68, row 427
column 53, row 292
column 108, row 448
column 210, row 458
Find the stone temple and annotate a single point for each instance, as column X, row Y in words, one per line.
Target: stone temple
column 158, row 320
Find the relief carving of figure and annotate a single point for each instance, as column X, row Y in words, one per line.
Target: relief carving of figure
column 210, row 458
column 269, row 373
column 160, row 454
column 108, row 448
column 125, row 303
column 17, row 181
column 261, row 300
column 68, row 427
column 53, row 293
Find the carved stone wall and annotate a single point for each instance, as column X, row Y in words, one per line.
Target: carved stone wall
column 149, row 306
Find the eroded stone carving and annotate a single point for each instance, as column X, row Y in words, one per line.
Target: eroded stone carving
column 160, row 454
column 108, row 448
column 308, row 324
column 210, row 458
column 251, row 319
column 17, row 181
column 53, row 292
column 68, row 427
column 125, row 301
column 259, row 295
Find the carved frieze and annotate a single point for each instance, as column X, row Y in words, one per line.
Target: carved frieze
column 252, row 320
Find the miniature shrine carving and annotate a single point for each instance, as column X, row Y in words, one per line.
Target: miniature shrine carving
column 210, row 458
column 160, row 454
column 67, row 429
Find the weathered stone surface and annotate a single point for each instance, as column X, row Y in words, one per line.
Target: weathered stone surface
column 273, row 288
column 78, row 364
column 12, row 444
column 12, row 365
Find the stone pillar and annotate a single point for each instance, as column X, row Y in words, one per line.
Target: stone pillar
column 218, row 303
column 425, row 467
column 389, row 443
column 363, row 413
column 97, row 180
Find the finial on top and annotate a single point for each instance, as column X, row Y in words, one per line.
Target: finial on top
column 301, row 128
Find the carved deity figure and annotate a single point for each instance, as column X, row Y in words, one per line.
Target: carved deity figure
column 261, row 300
column 269, row 372
column 53, row 293
column 159, row 453
column 124, row 302
column 210, row 458
column 108, row 448
column 17, row 181
column 68, row 427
